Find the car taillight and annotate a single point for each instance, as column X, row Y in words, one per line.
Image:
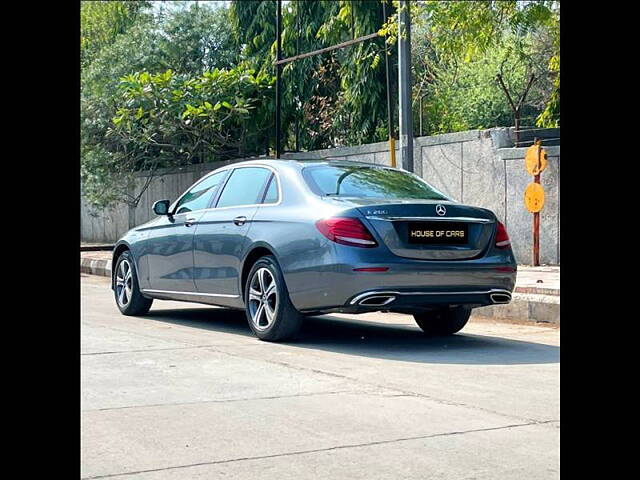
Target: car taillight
column 502, row 237
column 347, row 231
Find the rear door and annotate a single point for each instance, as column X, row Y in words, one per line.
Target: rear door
column 220, row 237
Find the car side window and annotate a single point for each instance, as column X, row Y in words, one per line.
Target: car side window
column 244, row 187
column 200, row 194
column 271, row 195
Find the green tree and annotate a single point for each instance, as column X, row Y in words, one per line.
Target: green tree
column 195, row 84
column 102, row 22
column 312, row 90
column 466, row 96
column 253, row 23
column 167, row 119
column 459, row 33
column 198, row 39
column 362, row 71
column 331, row 99
column 188, row 41
column 550, row 117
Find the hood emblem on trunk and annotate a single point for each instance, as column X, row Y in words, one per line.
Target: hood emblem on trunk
column 440, row 210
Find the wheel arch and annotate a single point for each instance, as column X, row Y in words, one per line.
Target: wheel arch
column 257, row 251
column 119, row 249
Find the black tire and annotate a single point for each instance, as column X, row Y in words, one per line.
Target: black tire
column 443, row 322
column 135, row 304
column 285, row 320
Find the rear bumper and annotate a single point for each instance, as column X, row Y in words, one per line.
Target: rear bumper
column 414, row 286
column 412, row 300
column 330, row 282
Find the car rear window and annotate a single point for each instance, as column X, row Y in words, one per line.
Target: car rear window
column 368, row 182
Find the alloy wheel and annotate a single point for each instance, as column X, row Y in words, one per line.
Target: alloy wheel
column 124, row 283
column 263, row 298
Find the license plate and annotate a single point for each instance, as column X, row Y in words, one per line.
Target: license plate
column 439, row 233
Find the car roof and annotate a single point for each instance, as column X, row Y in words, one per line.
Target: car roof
column 301, row 163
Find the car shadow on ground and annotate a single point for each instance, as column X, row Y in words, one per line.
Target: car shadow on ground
column 376, row 340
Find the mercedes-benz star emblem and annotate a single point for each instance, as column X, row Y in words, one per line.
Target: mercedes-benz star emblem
column 440, row 210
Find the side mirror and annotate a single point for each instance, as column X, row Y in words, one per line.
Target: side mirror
column 161, row 207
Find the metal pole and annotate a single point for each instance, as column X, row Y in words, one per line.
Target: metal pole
column 298, row 76
column 348, row 43
column 421, row 131
column 278, row 75
column 536, row 233
column 404, row 86
column 390, row 127
column 353, row 34
column 536, row 217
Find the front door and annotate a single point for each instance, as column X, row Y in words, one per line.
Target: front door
column 170, row 241
column 220, row 238
column 170, row 247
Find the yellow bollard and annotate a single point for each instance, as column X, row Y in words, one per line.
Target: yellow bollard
column 392, row 151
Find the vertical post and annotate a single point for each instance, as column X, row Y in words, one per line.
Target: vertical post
column 298, row 75
column 278, row 75
column 404, row 86
column 421, row 130
column 536, row 233
column 536, row 217
column 516, row 121
column 353, row 33
column 390, row 128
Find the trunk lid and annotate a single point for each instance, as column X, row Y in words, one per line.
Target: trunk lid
column 395, row 221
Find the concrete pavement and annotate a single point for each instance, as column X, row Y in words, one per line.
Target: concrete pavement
column 187, row 392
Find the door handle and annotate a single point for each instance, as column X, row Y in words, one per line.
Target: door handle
column 240, row 220
column 189, row 221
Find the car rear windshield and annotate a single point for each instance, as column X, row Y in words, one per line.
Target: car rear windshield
column 368, row 182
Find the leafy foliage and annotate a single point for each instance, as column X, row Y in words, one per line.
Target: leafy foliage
column 170, row 86
column 459, row 46
column 466, row 96
column 550, row 117
column 362, row 73
column 102, row 22
column 167, row 119
column 465, row 30
column 188, row 42
column 333, row 99
column 198, row 39
column 173, row 118
column 254, row 30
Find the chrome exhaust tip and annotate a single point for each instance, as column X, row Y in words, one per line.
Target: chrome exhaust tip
column 377, row 300
column 498, row 298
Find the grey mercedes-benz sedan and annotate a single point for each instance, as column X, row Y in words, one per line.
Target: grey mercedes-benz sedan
column 282, row 239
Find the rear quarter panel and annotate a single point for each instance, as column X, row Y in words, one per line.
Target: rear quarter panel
column 304, row 255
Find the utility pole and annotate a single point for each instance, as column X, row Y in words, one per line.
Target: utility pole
column 390, row 126
column 278, row 75
column 404, row 86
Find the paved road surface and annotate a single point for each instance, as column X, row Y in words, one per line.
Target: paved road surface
column 187, row 393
